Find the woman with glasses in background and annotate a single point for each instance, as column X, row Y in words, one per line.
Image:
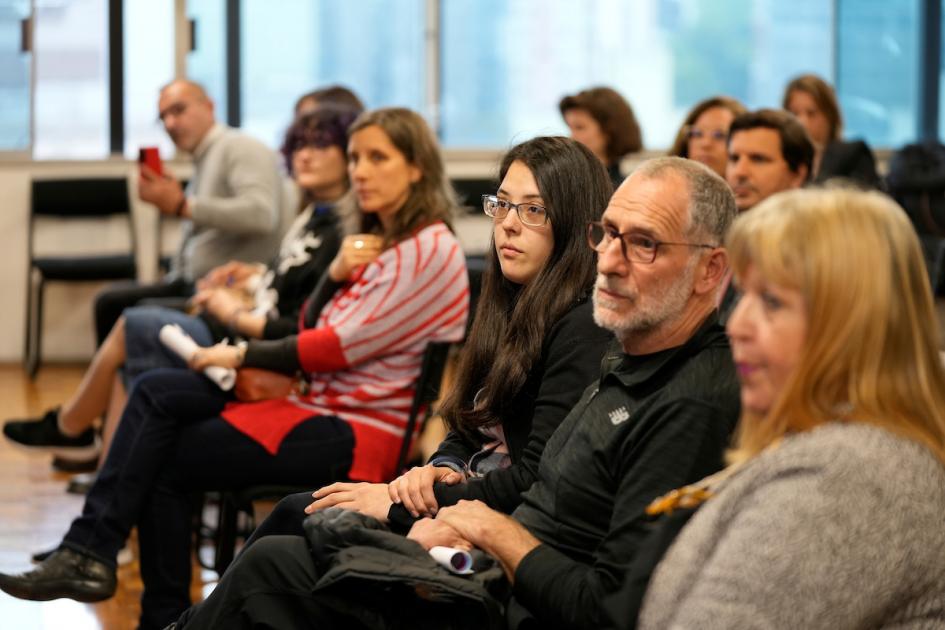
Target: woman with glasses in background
column 703, row 136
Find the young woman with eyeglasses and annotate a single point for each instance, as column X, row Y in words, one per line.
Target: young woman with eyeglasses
column 703, row 136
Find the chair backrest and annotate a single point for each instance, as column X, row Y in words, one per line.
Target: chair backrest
column 427, row 391
column 80, row 198
column 87, row 198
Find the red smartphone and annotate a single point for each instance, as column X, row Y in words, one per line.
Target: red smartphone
column 150, row 157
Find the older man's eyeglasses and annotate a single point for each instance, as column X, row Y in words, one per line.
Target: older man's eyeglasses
column 635, row 247
column 528, row 213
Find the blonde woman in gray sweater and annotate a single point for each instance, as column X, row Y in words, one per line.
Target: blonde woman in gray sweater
column 832, row 514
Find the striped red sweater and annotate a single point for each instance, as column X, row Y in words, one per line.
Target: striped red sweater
column 364, row 355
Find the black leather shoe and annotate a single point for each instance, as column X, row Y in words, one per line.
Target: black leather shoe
column 65, row 573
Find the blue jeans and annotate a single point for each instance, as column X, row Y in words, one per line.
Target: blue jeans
column 143, row 348
column 171, row 443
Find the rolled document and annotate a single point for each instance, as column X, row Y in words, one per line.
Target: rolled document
column 179, row 342
column 455, row 560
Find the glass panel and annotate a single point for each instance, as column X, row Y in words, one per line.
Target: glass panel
column 206, row 64
column 507, row 64
column 374, row 47
column 14, row 78
column 149, row 64
column 878, row 73
column 71, row 99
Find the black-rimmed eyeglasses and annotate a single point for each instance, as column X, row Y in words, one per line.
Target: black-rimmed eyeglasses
column 528, row 213
column 635, row 247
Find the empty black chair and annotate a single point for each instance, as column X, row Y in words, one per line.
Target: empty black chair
column 97, row 199
column 232, row 504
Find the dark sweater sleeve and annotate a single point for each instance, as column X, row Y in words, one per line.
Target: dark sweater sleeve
column 570, row 362
column 683, row 443
column 279, row 356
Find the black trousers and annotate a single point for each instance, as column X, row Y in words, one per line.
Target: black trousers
column 171, row 442
column 116, row 297
column 268, row 586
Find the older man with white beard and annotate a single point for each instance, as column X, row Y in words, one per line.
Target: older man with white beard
column 659, row 417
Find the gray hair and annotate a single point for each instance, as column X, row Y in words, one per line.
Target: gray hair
column 711, row 202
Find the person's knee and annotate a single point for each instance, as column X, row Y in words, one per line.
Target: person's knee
column 278, row 562
column 286, row 517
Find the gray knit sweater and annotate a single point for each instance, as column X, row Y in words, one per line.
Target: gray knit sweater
column 841, row 527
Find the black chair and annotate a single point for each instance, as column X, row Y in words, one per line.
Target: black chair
column 469, row 192
column 72, row 200
column 232, row 504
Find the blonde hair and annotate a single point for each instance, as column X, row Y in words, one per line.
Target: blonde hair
column 871, row 350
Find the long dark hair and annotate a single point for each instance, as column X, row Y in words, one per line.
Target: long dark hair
column 512, row 321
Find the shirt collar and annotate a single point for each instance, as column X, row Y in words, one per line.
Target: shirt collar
column 215, row 132
column 633, row 370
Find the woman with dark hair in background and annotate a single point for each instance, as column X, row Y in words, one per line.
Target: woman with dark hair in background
column 392, row 288
column 703, row 136
column 814, row 102
column 532, row 350
column 603, row 121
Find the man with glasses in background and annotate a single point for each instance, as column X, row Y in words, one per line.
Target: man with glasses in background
column 659, row 417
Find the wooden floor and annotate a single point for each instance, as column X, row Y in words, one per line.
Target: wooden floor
column 35, row 512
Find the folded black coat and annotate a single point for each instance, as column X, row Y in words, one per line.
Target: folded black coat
column 382, row 580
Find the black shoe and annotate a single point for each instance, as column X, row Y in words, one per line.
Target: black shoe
column 75, row 465
column 65, row 573
column 81, row 484
column 40, row 556
column 43, row 435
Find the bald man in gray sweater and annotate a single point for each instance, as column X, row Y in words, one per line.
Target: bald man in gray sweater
column 232, row 209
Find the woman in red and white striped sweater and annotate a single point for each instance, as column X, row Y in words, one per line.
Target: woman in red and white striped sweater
column 397, row 283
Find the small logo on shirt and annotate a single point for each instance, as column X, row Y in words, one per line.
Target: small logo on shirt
column 619, row 415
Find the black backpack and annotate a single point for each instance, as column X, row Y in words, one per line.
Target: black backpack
column 916, row 180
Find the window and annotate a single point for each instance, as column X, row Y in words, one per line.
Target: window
column 878, row 44
column 375, row 47
column 149, row 64
column 506, row 65
column 14, row 78
column 206, row 63
column 71, row 98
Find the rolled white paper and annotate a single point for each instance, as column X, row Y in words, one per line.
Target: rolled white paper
column 181, row 344
column 455, row 560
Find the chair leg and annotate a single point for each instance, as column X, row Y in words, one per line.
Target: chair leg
column 35, row 339
column 226, row 533
column 28, row 324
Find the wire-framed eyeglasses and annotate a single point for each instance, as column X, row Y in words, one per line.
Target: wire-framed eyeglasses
column 528, row 213
column 635, row 247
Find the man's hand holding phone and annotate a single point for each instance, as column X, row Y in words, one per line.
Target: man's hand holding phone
column 155, row 187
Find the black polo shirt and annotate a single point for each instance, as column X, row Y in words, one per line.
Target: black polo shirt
column 650, row 424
